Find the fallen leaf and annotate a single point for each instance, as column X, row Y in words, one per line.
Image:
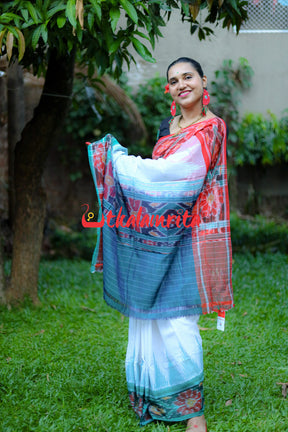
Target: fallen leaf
column 8, row 359
column 88, row 309
column 243, row 375
column 40, row 332
column 54, row 307
column 47, row 376
column 245, row 313
column 284, row 388
column 205, row 328
column 229, row 402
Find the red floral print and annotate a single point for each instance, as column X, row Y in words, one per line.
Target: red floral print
column 137, row 404
column 211, row 200
column 99, row 161
column 189, row 402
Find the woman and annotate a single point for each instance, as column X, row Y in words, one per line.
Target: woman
column 165, row 248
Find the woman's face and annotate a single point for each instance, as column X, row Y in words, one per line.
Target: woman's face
column 186, row 85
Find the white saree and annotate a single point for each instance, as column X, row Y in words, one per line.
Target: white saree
column 164, row 364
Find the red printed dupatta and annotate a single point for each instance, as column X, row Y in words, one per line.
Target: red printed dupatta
column 212, row 239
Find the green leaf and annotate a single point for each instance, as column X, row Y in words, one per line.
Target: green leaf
column 130, row 10
column 115, row 45
column 44, row 33
column 13, row 30
column 25, row 14
column 142, row 35
column 142, row 50
column 90, row 20
column 32, row 11
column 71, row 12
column 35, row 37
column 97, row 8
column 70, row 45
column 185, row 8
column 114, row 15
column 61, row 21
column 7, row 17
column 54, row 10
column 108, row 36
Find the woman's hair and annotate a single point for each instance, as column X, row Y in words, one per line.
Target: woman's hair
column 194, row 63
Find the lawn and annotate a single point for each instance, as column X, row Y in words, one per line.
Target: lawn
column 62, row 364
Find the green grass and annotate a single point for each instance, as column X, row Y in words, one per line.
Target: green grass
column 62, row 365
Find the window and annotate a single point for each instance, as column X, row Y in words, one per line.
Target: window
column 266, row 16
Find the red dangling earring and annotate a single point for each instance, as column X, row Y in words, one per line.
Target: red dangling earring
column 173, row 109
column 205, row 101
column 173, row 105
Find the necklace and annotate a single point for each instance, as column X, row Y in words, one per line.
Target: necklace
column 180, row 118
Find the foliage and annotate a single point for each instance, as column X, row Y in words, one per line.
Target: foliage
column 72, row 24
column 95, row 28
column 252, row 234
column 66, row 242
column 62, row 365
column 89, row 119
column 227, row 90
column 262, row 140
column 154, row 106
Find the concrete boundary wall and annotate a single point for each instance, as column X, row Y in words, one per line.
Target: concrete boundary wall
column 267, row 54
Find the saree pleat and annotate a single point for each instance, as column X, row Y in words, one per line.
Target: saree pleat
column 164, row 369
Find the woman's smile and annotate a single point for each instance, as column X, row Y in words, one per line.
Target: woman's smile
column 184, row 93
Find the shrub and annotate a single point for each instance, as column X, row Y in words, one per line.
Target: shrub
column 227, row 89
column 262, row 140
column 154, row 107
column 258, row 234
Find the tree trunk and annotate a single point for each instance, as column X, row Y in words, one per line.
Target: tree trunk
column 2, row 275
column 3, row 179
column 30, row 156
column 16, row 123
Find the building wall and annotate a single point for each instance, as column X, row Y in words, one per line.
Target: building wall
column 265, row 52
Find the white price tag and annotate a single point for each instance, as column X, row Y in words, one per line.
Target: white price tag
column 221, row 321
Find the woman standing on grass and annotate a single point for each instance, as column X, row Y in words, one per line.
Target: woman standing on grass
column 164, row 275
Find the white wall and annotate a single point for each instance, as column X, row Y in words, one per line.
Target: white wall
column 267, row 54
